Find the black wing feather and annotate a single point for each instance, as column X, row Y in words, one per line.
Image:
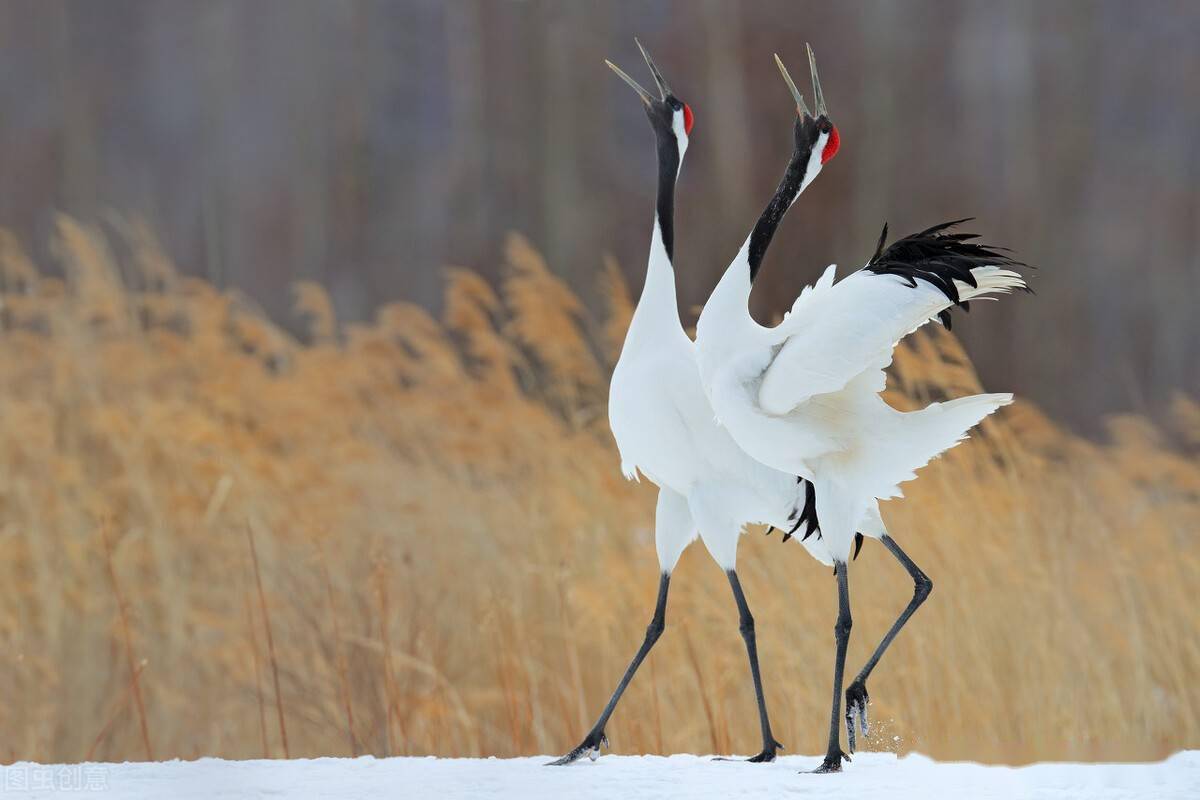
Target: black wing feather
column 939, row 257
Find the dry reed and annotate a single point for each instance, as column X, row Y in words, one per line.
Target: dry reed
column 135, row 669
column 453, row 486
column 266, row 615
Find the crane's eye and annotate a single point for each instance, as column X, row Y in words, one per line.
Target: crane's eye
column 688, row 119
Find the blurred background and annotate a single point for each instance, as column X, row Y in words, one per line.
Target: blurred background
column 367, row 144
column 307, row 313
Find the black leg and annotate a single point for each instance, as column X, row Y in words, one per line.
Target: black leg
column 841, row 632
column 746, row 626
column 856, row 693
column 590, row 746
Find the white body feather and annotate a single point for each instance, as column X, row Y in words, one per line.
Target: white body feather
column 665, row 428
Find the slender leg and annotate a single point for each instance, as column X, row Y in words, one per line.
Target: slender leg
column 590, row 746
column 841, row 632
column 746, row 626
column 856, row 693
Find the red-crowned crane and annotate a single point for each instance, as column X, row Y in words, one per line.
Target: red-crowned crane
column 665, row 428
column 803, row 397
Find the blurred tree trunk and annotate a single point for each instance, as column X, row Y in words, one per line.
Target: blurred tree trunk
column 562, row 187
column 728, row 114
column 466, row 84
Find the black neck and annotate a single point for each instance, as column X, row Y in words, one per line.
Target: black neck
column 772, row 215
column 668, row 171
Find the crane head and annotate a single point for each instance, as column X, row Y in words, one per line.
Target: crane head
column 670, row 117
column 816, row 137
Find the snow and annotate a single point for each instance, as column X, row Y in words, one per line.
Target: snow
column 872, row 775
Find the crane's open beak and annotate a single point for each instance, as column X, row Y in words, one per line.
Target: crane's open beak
column 818, row 95
column 647, row 98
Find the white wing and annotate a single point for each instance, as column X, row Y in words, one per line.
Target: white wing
column 837, row 333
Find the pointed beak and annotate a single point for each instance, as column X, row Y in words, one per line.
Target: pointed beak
column 647, row 98
column 663, row 88
column 818, row 95
column 642, row 93
column 801, row 106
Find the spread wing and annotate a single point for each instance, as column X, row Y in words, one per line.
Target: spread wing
column 841, row 332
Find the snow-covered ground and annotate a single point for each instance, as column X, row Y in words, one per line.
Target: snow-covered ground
column 878, row 776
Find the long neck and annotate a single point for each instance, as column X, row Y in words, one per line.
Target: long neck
column 664, row 206
column 728, row 300
column 658, row 303
column 772, row 215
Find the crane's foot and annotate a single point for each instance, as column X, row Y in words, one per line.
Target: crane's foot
column 832, row 763
column 765, row 757
column 590, row 747
column 856, row 711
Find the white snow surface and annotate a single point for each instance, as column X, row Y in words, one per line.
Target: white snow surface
column 879, row 776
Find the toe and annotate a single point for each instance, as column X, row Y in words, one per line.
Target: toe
column 569, row 758
column 589, row 747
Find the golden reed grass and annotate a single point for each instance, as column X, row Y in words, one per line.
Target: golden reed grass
column 411, row 536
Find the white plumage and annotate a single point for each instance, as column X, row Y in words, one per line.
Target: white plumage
column 803, row 397
column 835, row 329
column 665, row 428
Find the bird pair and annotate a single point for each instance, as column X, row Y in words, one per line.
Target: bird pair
column 784, row 426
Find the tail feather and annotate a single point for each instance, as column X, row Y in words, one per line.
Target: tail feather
column 924, row 435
